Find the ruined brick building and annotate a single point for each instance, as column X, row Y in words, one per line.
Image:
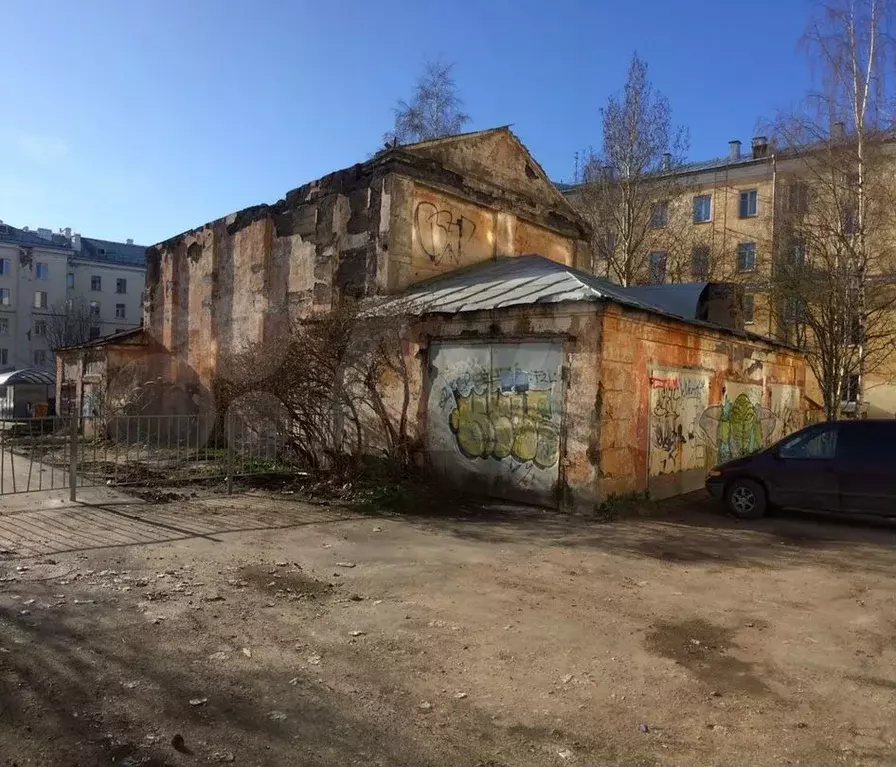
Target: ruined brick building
column 531, row 378
column 406, row 215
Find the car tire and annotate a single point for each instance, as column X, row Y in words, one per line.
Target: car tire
column 746, row 499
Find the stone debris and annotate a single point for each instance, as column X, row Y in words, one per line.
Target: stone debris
column 198, row 701
column 247, row 652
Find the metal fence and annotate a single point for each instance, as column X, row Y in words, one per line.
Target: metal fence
column 57, row 453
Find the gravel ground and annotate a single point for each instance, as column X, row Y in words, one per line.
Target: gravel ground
column 260, row 630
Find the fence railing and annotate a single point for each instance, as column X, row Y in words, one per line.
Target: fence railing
column 57, row 453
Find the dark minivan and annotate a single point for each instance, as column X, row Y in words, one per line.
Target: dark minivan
column 847, row 466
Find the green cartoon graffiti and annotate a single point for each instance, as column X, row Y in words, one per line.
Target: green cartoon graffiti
column 737, row 428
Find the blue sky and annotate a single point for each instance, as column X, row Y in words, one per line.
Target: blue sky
column 143, row 119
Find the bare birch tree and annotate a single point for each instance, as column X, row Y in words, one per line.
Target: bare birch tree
column 68, row 324
column 831, row 287
column 630, row 183
column 434, row 111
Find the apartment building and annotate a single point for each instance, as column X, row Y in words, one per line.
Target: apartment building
column 47, row 276
column 726, row 219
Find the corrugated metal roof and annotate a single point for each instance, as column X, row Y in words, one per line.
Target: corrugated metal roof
column 535, row 280
column 27, row 376
column 517, row 281
column 681, row 299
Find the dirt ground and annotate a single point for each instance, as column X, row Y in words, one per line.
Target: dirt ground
column 260, row 630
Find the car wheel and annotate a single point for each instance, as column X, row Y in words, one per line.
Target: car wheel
column 746, row 499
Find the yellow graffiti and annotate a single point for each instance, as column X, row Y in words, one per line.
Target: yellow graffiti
column 502, row 424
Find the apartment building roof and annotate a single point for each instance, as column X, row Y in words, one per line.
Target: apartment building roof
column 90, row 248
column 697, row 166
column 14, row 235
column 114, row 252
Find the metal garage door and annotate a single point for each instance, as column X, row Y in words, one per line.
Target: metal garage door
column 495, row 417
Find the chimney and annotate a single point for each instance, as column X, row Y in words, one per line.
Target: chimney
column 760, row 146
column 44, row 233
column 734, row 150
column 76, row 241
column 24, row 228
column 130, row 241
column 667, row 161
column 67, row 232
column 838, row 131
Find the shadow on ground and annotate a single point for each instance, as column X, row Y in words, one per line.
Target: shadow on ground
column 55, row 683
column 688, row 529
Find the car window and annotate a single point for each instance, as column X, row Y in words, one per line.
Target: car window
column 817, row 444
column 868, row 442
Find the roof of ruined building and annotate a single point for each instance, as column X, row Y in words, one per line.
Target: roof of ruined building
column 533, row 280
column 27, row 376
column 455, row 137
column 114, row 339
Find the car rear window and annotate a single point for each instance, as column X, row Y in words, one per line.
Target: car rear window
column 868, row 442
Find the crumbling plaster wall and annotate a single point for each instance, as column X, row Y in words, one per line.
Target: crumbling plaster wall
column 640, row 349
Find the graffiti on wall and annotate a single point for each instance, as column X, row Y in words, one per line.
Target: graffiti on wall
column 677, row 400
column 785, row 405
column 442, row 233
column 495, row 411
column 738, row 425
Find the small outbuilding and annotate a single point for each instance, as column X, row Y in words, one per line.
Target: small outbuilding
column 543, row 383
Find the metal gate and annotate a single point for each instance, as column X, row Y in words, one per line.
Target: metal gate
column 495, row 417
column 59, row 453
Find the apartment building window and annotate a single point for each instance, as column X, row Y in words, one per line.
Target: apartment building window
column 4, row 266
column 855, row 331
column 702, row 208
column 798, row 197
column 119, row 311
column 700, row 262
column 41, row 271
column 41, row 300
column 121, row 285
column 792, row 310
column 40, row 357
column 749, row 309
column 96, row 283
column 849, row 221
column 94, row 308
column 94, row 332
column 746, row 257
column 4, row 296
column 798, row 253
column 4, row 356
column 70, row 281
column 40, row 328
column 4, row 326
column 658, row 263
column 749, row 204
column 851, row 389
column 659, row 218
